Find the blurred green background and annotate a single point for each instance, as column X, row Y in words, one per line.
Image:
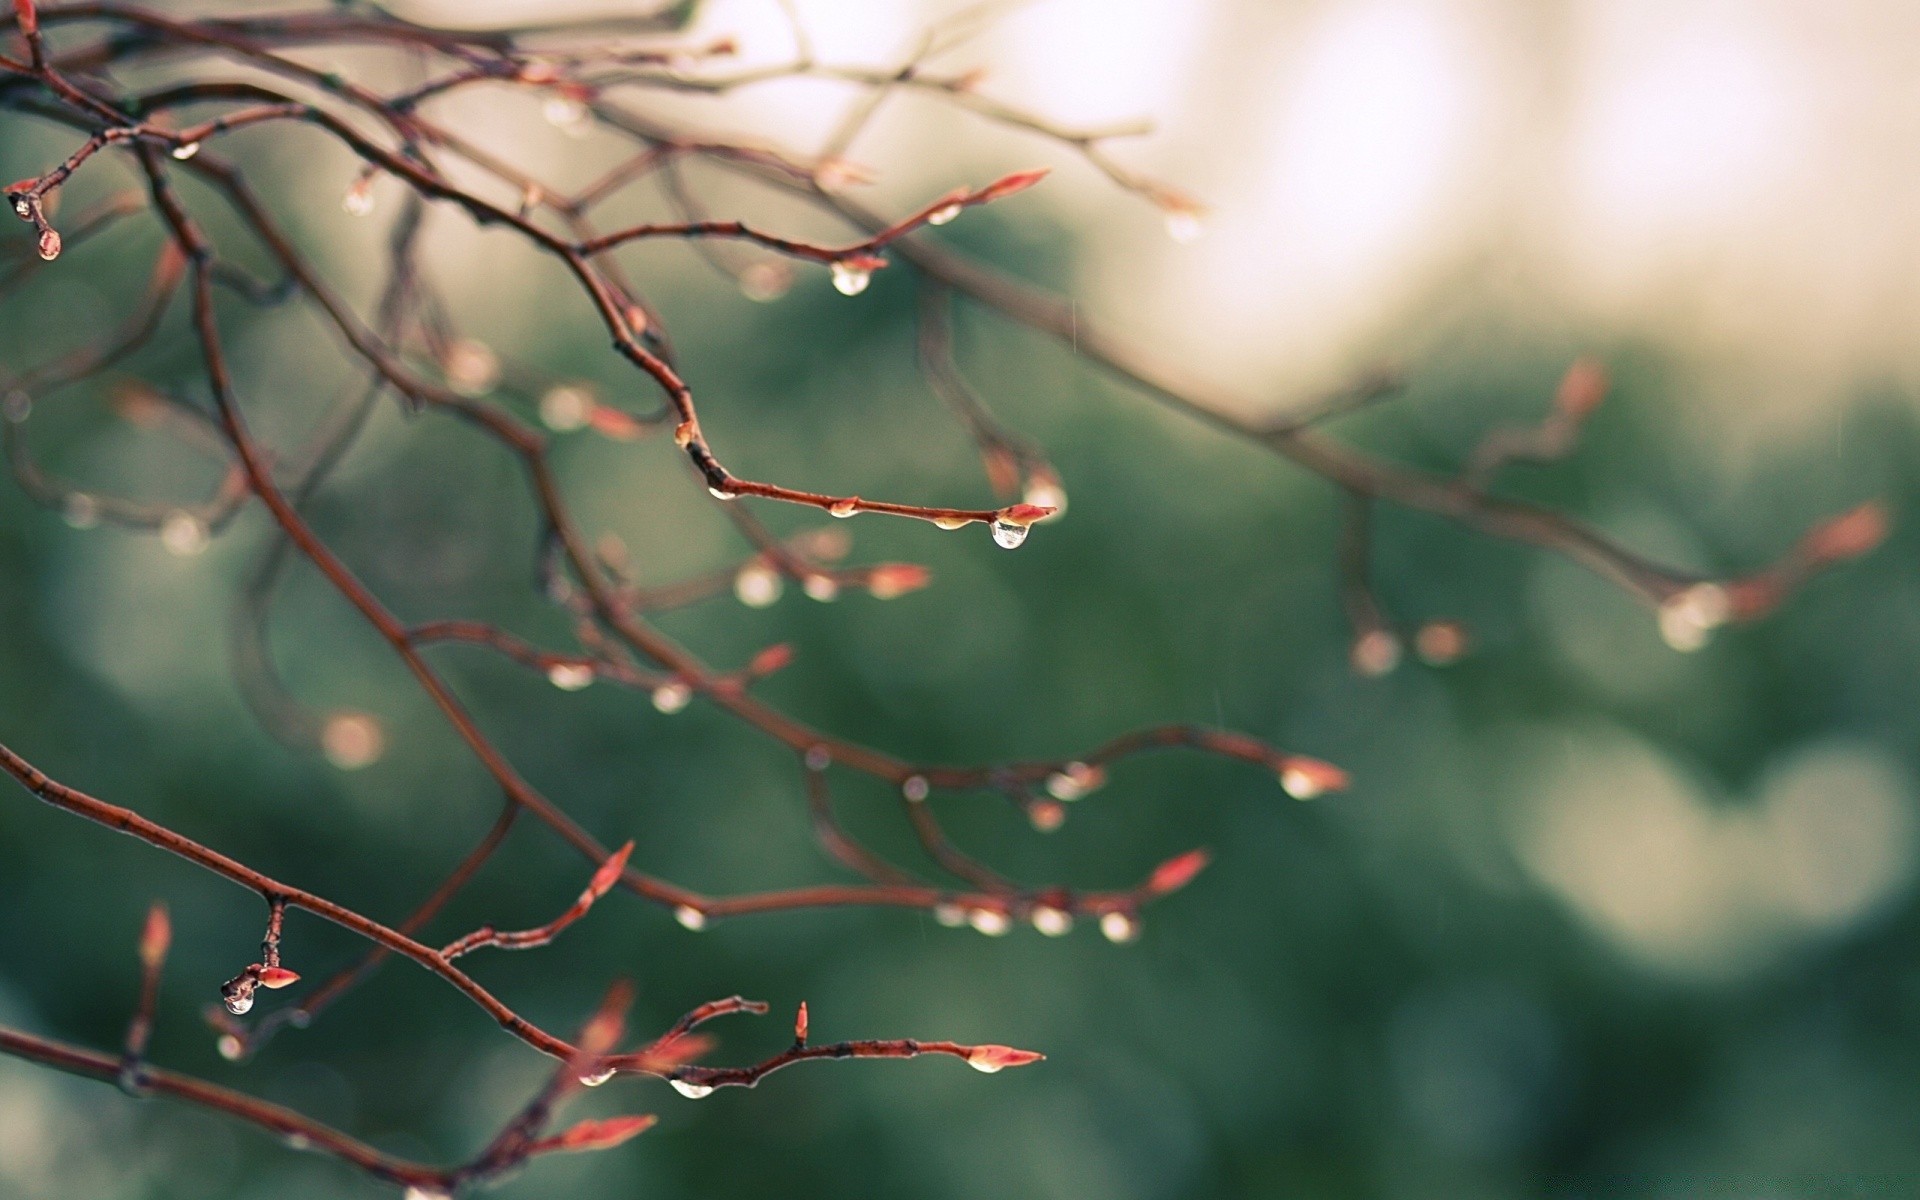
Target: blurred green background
column 1596, row 919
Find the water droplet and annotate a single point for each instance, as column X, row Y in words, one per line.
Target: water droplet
column 990, row 921
column 472, row 368
column 914, row 788
column 844, row 508
column 49, row 244
column 80, row 511
column 1184, row 227
column 953, row 916
column 1687, row 618
column 185, row 151
column 425, row 1193
column 952, row 523
column 22, row 208
column 720, row 493
column 1054, row 922
column 183, row 534
column 670, row 698
column 229, row 1047
column 819, row 758
column 570, row 676
column 565, row 113
column 850, row 280
column 820, row 587
column 352, row 740
column 690, row 917
column 1375, row 653
column 942, row 216
column 689, row 1089
column 1047, row 815
column 297, row 1141
column 596, row 1078
column 1300, row 784
column 765, row 282
column 1119, row 927
column 358, row 200
column 1008, row 534
column 757, row 585
column 1075, row 780
column 238, row 1003
column 567, row 407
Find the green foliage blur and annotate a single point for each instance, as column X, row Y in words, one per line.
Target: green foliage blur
column 1596, row 919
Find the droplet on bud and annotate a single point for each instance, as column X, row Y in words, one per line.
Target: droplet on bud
column 757, row 585
column 596, row 1078
column 567, row 407
column 819, row 758
column 1184, row 226
column 989, row 1059
column 185, row 151
column 844, row 508
column 229, row 1047
column 1119, row 927
column 689, row 1089
column 952, row 523
column 720, row 493
column 1375, row 653
column 49, row 244
column 183, row 534
column 1687, row 618
column 472, row 367
column 1308, row 778
column 952, row 915
column 820, row 587
column 670, row 698
column 80, row 511
column 358, row 200
column 850, row 279
column 1075, row 780
column 1054, row 922
column 990, row 921
column 914, row 788
column 565, row 113
column 239, row 1003
column 942, row 216
column 765, row 282
column 352, row 740
column 1008, row 534
column 690, row 917
column 570, row 676
column 1441, row 643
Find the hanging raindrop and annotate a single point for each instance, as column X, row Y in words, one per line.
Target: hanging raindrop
column 941, row 216
column 1008, row 534
column 570, row 677
column 757, row 585
column 670, row 698
column 692, row 1091
column 1119, row 928
column 850, row 280
column 185, row 151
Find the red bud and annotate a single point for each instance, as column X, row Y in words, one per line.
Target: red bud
column 998, row 1058
column 1019, row 181
column 155, row 936
column 896, row 579
column 1582, row 388
column 1177, row 872
column 600, row 1135
column 277, row 977
column 1848, row 535
column 609, row 872
column 773, row 658
column 800, row 1023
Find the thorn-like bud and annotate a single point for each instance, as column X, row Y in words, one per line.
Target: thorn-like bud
column 889, row 580
column 800, row 1024
column 1177, row 872
column 155, row 936
column 608, row 874
column 603, row 1134
column 1848, row 535
column 774, row 658
column 1582, row 388
column 989, row 1059
column 278, row 977
column 1008, row 185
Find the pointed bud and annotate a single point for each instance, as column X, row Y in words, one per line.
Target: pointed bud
column 278, row 977
column 613, row 423
column 774, row 658
column 155, row 936
column 608, row 874
column 1177, row 872
column 602, row 1134
column 1848, row 535
column 1022, row 514
column 1582, row 388
column 998, row 1058
column 1019, row 181
column 800, row 1023
column 889, row 580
